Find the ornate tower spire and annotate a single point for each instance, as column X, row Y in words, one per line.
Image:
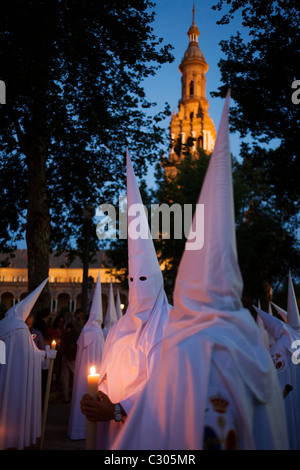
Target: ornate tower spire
column 191, row 126
column 193, row 32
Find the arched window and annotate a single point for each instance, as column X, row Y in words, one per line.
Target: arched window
column 191, row 88
column 63, row 302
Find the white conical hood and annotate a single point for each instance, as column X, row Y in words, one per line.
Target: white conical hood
column 125, row 365
column 96, row 314
column 92, row 329
column 144, row 273
column 89, row 353
column 278, row 329
column 208, row 288
column 292, row 308
column 211, row 276
column 282, row 313
column 111, row 314
column 23, row 308
column 118, row 306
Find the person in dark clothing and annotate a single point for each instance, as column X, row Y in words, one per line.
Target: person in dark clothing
column 39, row 341
column 68, row 349
column 36, row 334
column 42, row 321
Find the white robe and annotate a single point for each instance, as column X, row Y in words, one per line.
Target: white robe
column 20, row 387
column 286, row 358
column 90, row 346
column 175, row 408
column 211, row 343
column 289, row 373
column 133, row 345
column 128, row 360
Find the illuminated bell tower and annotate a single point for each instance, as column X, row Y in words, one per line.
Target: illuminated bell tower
column 191, row 126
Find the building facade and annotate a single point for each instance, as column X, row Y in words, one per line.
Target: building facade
column 191, row 126
column 65, row 282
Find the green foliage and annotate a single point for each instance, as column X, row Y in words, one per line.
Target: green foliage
column 266, row 231
column 259, row 66
column 73, row 72
column 266, row 243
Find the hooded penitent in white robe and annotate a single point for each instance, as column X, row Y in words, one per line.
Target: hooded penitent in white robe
column 286, row 356
column 90, row 345
column 20, row 378
column 132, row 347
column 111, row 314
column 291, row 315
column 215, row 386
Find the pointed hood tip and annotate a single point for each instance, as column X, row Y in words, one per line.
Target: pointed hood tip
column 271, row 323
column 23, row 308
column 144, row 272
column 96, row 314
column 217, row 269
column 141, row 252
column 293, row 318
column 281, row 311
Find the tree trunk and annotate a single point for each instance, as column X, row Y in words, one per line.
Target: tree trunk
column 38, row 220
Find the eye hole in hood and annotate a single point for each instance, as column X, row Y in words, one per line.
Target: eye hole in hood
column 143, row 278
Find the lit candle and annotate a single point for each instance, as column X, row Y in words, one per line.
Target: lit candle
column 93, row 381
column 53, row 344
column 91, row 426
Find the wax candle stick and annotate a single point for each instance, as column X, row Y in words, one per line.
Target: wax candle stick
column 53, row 344
column 91, row 426
column 52, row 356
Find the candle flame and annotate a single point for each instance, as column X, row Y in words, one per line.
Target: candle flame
column 93, row 370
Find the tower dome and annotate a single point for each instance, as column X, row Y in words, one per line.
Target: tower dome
column 192, row 126
column 193, row 51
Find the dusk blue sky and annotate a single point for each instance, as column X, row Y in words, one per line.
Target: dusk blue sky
column 172, row 22
column 173, row 19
